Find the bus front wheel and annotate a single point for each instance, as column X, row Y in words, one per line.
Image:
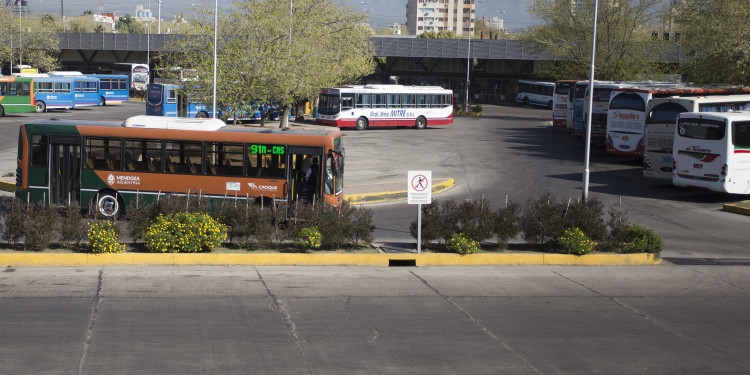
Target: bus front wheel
column 41, row 107
column 526, row 101
column 102, row 101
column 201, row 115
column 361, row 123
column 108, row 205
column 421, row 123
column 2, row 111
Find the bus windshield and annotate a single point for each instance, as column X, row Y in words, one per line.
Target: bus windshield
column 329, row 104
column 628, row 100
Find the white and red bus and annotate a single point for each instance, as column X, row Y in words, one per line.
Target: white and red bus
column 712, row 151
column 661, row 117
column 367, row 106
column 561, row 101
column 626, row 118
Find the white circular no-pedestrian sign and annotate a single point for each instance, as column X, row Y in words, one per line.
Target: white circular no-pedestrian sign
column 419, row 187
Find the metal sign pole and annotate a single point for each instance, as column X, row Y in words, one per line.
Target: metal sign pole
column 419, row 228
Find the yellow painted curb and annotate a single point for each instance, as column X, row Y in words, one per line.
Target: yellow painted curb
column 129, row 259
column 7, row 186
column 734, row 208
column 387, row 196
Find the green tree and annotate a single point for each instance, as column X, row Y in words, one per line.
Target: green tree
column 29, row 39
column 259, row 60
column 128, row 25
column 624, row 48
column 442, row 34
column 719, row 34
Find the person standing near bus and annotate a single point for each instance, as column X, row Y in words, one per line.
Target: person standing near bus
column 311, row 179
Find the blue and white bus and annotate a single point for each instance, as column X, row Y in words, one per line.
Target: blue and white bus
column 86, row 90
column 166, row 100
column 53, row 93
column 536, row 93
column 113, row 88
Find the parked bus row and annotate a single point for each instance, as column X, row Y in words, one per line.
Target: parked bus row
column 168, row 100
column 639, row 119
column 39, row 93
column 109, row 165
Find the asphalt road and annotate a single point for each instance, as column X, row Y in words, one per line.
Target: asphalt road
column 365, row 320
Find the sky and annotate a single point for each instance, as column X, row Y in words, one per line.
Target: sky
column 382, row 12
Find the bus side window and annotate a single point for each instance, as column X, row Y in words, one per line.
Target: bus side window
column 171, row 96
column 409, row 100
column 394, row 100
column 347, row 102
column 39, row 150
column 741, row 133
column 362, row 100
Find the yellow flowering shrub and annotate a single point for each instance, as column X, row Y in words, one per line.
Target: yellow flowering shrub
column 184, row 232
column 309, row 238
column 460, row 244
column 574, row 241
column 103, row 238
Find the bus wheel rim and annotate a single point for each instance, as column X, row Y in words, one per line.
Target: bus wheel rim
column 108, row 205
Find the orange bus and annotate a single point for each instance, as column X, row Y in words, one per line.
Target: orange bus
column 106, row 165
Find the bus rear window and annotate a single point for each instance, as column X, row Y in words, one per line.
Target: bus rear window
column 711, row 130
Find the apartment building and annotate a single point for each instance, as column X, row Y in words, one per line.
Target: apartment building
column 457, row 16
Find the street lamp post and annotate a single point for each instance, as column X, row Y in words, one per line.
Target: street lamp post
column 585, row 189
column 216, row 38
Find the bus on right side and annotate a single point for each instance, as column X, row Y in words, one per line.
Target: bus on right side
column 712, row 151
column 661, row 117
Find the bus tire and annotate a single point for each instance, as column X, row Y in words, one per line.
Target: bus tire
column 2, row 111
column 526, row 100
column 421, row 123
column 201, row 114
column 102, row 101
column 361, row 123
column 108, row 204
column 549, row 104
column 41, row 107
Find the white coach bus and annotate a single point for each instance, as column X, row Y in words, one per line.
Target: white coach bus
column 712, row 151
column 367, row 106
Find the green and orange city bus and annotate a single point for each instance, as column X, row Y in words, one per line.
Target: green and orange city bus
column 16, row 95
column 107, row 165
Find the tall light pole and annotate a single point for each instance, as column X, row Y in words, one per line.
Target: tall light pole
column 20, row 42
column 468, row 59
column 216, row 38
column 159, row 15
column 590, row 106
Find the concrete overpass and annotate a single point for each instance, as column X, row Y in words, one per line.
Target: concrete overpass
column 494, row 65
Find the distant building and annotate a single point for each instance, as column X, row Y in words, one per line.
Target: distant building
column 396, row 27
column 496, row 24
column 457, row 16
column 108, row 20
column 142, row 14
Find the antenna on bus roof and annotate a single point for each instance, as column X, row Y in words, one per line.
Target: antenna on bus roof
column 177, row 123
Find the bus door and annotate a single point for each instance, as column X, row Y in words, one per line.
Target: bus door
column 182, row 105
column 65, row 169
column 300, row 159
